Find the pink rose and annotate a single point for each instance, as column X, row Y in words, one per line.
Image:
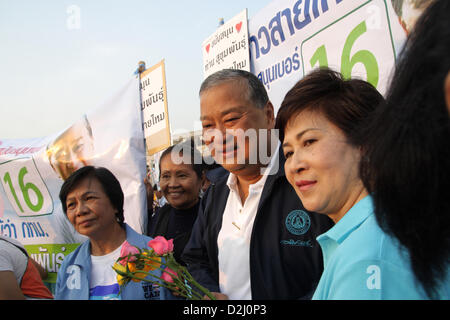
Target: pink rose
column 160, row 245
column 126, row 250
column 168, row 275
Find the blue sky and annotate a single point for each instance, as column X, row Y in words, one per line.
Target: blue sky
column 50, row 74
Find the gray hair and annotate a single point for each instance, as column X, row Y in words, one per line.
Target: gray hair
column 256, row 93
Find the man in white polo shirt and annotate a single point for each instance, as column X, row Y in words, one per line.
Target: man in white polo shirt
column 252, row 239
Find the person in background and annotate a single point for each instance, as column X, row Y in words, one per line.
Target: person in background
column 408, row 11
column 406, row 165
column 20, row 276
column 213, row 173
column 252, row 238
column 159, row 196
column 92, row 199
column 181, row 180
column 152, row 204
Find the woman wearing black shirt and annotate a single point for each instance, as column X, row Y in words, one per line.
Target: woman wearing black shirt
column 181, row 179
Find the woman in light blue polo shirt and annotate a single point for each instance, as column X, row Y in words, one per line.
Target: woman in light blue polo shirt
column 319, row 122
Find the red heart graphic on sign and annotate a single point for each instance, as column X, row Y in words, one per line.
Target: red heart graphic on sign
column 238, row 26
column 207, row 48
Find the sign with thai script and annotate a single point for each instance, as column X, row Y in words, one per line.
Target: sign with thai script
column 288, row 39
column 227, row 48
column 154, row 108
column 32, row 172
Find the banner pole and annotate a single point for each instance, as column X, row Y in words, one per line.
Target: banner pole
column 139, row 70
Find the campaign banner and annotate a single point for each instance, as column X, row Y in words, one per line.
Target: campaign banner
column 288, row 39
column 154, row 108
column 32, row 172
column 227, row 47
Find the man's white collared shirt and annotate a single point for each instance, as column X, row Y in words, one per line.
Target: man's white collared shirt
column 234, row 237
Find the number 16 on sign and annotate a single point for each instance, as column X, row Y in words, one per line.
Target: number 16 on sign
column 25, row 189
column 357, row 45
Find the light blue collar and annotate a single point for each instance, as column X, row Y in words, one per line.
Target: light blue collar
column 350, row 221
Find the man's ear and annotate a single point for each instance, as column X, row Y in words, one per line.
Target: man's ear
column 447, row 91
column 270, row 114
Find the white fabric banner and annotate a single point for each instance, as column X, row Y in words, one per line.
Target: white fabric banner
column 32, row 172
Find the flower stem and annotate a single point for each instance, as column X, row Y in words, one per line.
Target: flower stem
column 163, row 283
column 196, row 284
column 180, row 282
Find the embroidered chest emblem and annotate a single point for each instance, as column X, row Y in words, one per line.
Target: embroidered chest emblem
column 298, row 222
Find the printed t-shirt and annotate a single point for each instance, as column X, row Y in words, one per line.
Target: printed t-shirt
column 103, row 284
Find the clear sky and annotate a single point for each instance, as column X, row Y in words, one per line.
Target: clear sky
column 52, row 70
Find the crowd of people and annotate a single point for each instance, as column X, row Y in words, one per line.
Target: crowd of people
column 352, row 202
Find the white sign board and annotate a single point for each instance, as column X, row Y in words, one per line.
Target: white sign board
column 359, row 38
column 227, row 48
column 154, row 108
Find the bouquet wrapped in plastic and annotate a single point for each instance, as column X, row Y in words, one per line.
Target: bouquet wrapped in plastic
column 135, row 264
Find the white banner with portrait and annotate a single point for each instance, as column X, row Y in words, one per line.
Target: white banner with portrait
column 32, row 172
column 359, row 38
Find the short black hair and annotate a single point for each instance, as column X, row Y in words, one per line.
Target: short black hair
column 193, row 156
column 110, row 184
column 256, row 92
column 346, row 103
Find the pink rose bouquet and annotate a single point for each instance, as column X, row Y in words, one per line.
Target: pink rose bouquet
column 135, row 263
column 129, row 252
column 161, row 246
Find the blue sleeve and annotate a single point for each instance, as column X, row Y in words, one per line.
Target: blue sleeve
column 61, row 278
column 59, row 281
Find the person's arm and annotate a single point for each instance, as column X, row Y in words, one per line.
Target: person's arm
column 42, row 272
column 195, row 253
column 9, row 288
